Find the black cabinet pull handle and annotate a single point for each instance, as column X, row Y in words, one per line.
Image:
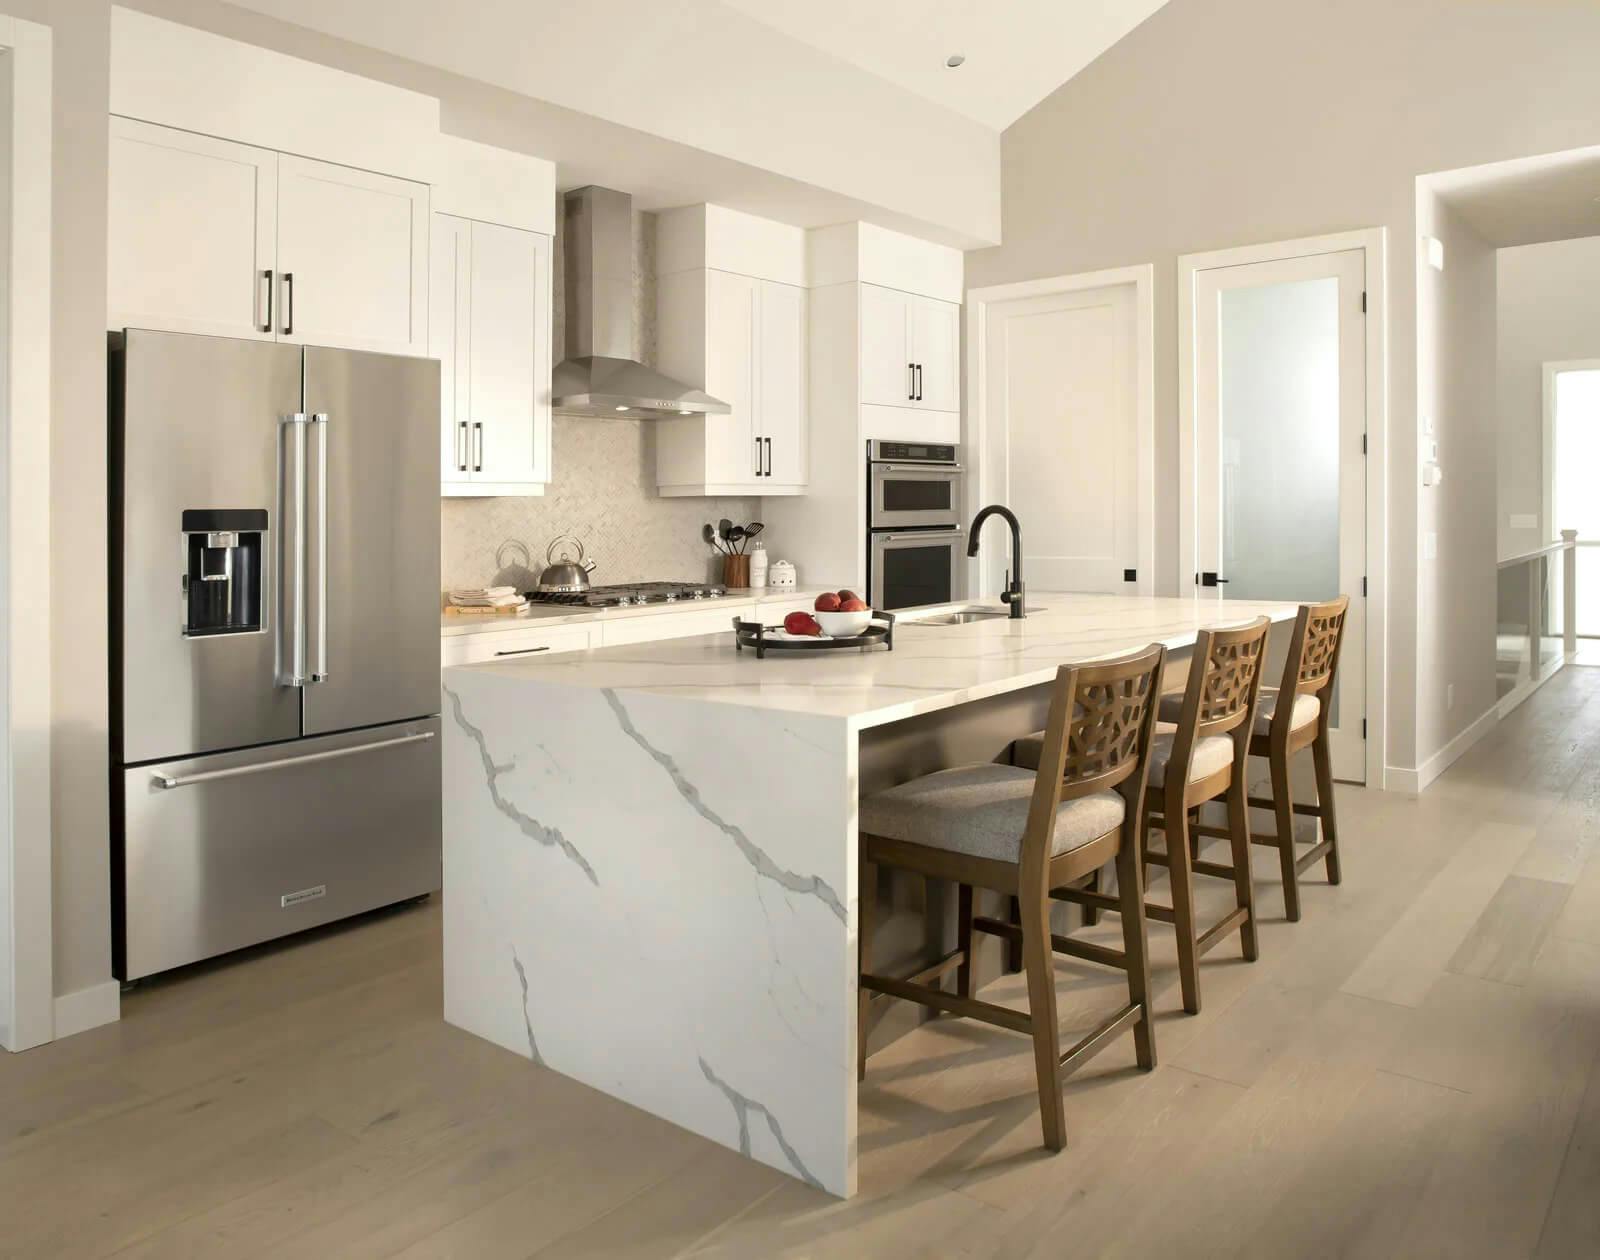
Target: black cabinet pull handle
column 758, row 457
column 266, row 325
column 769, row 455
column 919, row 382
column 288, row 303
column 911, row 382
column 477, row 461
column 461, row 446
column 521, row 651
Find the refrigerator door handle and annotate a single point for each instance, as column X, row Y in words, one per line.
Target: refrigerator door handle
column 292, row 580
column 170, row 781
column 317, row 620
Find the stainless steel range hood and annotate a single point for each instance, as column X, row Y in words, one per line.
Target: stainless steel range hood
column 599, row 377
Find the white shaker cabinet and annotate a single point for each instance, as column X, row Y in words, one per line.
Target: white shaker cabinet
column 743, row 340
column 489, row 323
column 215, row 237
column 192, row 236
column 910, row 350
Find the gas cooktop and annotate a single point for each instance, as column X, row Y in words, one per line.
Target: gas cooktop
column 629, row 594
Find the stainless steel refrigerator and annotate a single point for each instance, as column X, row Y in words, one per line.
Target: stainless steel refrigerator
column 274, row 596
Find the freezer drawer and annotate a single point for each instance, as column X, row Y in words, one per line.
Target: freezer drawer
column 228, row 850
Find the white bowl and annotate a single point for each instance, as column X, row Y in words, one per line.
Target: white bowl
column 841, row 625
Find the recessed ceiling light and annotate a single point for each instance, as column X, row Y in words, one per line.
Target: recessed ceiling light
column 621, row 408
column 954, row 60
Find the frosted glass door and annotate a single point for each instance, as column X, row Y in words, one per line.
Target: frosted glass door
column 1280, row 477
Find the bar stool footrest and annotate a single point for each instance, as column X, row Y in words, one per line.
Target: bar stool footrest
column 1228, row 923
column 950, row 1003
column 1086, row 950
column 1312, row 856
column 1101, row 1037
column 1300, row 807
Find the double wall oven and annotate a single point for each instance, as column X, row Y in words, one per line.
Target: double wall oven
column 915, row 543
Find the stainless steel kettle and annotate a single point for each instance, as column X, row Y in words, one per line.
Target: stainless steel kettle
column 563, row 574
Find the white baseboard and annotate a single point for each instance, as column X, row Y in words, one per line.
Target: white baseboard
column 88, row 1008
column 1442, row 760
column 1400, row 779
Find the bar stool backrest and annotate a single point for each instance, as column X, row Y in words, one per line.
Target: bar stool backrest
column 1097, row 739
column 1312, row 662
column 1220, row 698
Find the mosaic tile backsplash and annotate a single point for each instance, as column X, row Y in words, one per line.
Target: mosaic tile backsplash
column 604, row 488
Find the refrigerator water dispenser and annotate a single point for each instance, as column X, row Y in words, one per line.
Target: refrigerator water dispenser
column 222, row 578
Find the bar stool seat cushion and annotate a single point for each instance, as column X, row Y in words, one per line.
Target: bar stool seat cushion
column 1305, row 711
column 981, row 811
column 1211, row 753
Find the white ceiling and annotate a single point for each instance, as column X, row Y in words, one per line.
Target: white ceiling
column 1017, row 51
column 1553, row 197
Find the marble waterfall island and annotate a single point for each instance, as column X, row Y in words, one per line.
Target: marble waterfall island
column 650, row 851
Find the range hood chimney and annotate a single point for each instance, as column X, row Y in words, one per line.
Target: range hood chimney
column 599, row 377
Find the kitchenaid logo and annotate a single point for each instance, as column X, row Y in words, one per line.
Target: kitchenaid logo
column 305, row 894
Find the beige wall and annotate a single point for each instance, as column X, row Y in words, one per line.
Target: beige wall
column 1456, row 592
column 1549, row 310
column 1226, row 122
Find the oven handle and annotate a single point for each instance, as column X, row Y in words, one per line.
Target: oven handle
column 913, row 468
column 955, row 532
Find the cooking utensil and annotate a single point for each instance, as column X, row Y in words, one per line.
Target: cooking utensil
column 710, row 535
column 563, row 573
column 735, row 537
column 723, row 528
column 751, row 530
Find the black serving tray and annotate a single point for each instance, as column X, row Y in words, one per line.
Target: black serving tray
column 752, row 634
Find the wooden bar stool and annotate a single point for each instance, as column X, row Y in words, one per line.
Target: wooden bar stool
column 1283, row 728
column 1193, row 760
column 1023, row 833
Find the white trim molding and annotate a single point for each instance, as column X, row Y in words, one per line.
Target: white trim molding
column 1374, row 243
column 1415, row 782
column 981, row 482
column 25, row 833
column 88, row 1008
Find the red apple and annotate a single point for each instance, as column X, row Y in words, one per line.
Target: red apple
column 853, row 605
column 801, row 623
column 828, row 602
column 845, row 596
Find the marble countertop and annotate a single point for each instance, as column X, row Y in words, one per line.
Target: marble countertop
column 932, row 667
column 541, row 615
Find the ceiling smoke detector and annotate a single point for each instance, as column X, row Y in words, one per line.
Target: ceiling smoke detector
column 954, row 60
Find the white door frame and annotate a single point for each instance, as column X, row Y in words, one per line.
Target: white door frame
column 25, row 564
column 982, row 479
column 1549, row 531
column 1375, row 242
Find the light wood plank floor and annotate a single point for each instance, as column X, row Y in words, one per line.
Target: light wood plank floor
column 1410, row 1071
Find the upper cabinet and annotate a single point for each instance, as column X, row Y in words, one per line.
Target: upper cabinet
column 490, row 330
column 910, row 347
column 732, row 319
column 213, row 236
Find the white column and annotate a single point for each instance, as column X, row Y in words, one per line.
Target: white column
column 1569, row 591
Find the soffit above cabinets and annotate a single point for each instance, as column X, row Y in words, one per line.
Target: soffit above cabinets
column 1016, row 53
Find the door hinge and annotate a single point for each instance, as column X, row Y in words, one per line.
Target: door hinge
column 1363, row 586
column 1130, row 575
column 1363, row 443
column 1363, row 728
column 1363, row 301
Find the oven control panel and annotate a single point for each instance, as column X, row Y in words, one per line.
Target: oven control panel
column 911, row 452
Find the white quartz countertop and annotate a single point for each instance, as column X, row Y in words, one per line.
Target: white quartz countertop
column 540, row 615
column 932, row 666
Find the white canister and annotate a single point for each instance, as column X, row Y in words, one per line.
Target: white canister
column 758, row 567
column 780, row 576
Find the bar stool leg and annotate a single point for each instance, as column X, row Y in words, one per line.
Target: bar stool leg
column 1135, row 945
column 1243, row 885
column 1014, row 947
column 964, row 984
column 867, row 900
column 1038, row 961
column 1283, row 804
column 1180, row 875
column 1091, row 914
column 1322, row 758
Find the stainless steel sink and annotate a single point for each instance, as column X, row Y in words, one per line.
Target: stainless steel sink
column 963, row 616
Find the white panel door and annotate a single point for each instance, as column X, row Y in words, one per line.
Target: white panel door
column 450, row 341
column 1280, row 471
column 781, row 383
column 508, row 443
column 733, row 452
column 886, row 378
column 353, row 253
column 935, row 353
column 1062, row 391
column 191, row 232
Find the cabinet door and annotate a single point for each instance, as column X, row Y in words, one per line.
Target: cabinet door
column 781, row 383
column 732, row 449
column 450, row 340
column 191, row 234
column 935, row 351
column 885, row 348
column 509, row 422
column 353, row 255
